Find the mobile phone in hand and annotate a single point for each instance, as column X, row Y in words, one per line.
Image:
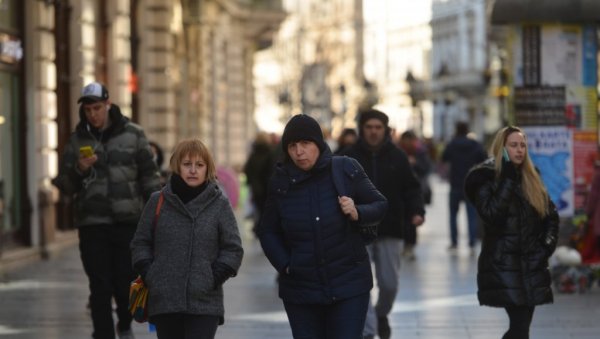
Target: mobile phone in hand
column 86, row 151
column 505, row 154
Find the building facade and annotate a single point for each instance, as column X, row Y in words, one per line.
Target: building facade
column 179, row 68
column 318, row 57
column 398, row 60
column 459, row 64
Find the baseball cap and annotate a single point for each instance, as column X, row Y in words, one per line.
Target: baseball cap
column 93, row 92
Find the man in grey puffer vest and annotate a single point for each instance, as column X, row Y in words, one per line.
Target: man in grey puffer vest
column 107, row 166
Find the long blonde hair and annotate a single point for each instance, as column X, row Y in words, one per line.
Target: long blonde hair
column 532, row 186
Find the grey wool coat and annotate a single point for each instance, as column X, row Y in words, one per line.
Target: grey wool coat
column 187, row 240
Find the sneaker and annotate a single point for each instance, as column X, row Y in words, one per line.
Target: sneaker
column 383, row 328
column 409, row 253
column 453, row 249
column 126, row 334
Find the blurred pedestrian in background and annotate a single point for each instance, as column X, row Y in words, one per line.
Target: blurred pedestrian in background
column 190, row 250
column 461, row 154
column 389, row 169
column 311, row 236
column 159, row 158
column 346, row 139
column 418, row 158
column 107, row 165
column 520, row 231
column 591, row 251
column 258, row 169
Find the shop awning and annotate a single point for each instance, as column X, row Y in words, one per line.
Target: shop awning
column 566, row 11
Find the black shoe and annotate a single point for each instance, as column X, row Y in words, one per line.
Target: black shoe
column 383, row 328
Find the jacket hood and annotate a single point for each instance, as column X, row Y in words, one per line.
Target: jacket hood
column 387, row 145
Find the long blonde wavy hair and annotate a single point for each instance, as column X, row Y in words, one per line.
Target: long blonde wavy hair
column 533, row 189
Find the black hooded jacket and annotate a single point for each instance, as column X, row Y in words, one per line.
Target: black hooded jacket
column 389, row 170
column 517, row 242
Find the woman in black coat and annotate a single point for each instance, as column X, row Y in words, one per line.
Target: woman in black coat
column 310, row 234
column 520, row 231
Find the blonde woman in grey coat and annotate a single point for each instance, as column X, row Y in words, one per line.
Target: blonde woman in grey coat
column 192, row 249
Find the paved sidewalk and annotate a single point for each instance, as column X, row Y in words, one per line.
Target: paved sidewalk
column 46, row 299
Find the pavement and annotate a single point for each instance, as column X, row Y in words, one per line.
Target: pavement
column 437, row 297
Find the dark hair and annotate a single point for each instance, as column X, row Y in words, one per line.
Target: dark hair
column 346, row 132
column 461, row 128
column 160, row 158
column 373, row 114
column 409, row 134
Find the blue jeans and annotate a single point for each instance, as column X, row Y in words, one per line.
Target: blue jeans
column 344, row 319
column 456, row 196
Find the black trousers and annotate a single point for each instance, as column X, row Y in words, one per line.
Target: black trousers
column 410, row 234
column 520, row 319
column 185, row 326
column 106, row 259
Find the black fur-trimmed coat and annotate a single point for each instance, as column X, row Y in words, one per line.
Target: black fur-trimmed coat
column 517, row 241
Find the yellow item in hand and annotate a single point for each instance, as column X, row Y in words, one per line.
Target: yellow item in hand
column 86, row 151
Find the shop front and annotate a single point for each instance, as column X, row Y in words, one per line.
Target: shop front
column 13, row 226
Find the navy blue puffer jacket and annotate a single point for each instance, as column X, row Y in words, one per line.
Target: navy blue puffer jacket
column 304, row 229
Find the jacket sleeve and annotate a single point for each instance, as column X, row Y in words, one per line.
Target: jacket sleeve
column 423, row 166
column 270, row 234
column 492, row 200
column 148, row 175
column 69, row 180
column 230, row 243
column 143, row 239
column 551, row 224
column 369, row 202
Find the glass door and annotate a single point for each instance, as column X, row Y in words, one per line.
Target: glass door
column 9, row 199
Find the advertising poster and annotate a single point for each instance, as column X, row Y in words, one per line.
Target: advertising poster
column 584, row 155
column 562, row 55
column 580, row 109
column 550, row 150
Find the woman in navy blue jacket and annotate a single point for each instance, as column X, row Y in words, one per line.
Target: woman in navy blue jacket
column 311, row 235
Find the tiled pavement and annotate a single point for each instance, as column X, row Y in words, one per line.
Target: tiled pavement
column 46, row 299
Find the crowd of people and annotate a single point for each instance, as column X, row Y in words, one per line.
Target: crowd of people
column 314, row 212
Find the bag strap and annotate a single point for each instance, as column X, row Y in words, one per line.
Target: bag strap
column 161, row 199
column 337, row 174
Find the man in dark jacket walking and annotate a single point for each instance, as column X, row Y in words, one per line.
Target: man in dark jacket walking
column 389, row 170
column 108, row 167
column 461, row 154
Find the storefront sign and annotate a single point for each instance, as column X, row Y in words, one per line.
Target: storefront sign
column 11, row 51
